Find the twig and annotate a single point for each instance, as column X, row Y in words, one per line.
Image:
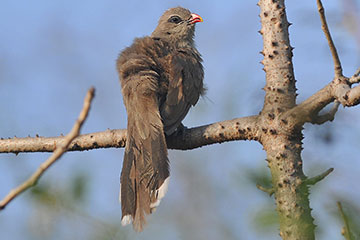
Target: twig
column 339, row 89
column 355, row 78
column 346, row 229
column 325, row 28
column 329, row 116
column 59, row 151
column 318, row 178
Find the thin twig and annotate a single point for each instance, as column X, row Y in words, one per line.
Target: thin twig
column 59, row 151
column 318, row 178
column 355, row 78
column 325, row 28
column 346, row 229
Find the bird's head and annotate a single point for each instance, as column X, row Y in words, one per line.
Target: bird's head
column 177, row 25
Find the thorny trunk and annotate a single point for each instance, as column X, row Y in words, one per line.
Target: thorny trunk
column 291, row 192
column 281, row 138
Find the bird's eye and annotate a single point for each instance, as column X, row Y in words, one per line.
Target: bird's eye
column 175, row 19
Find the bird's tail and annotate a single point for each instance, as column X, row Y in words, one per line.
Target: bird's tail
column 145, row 173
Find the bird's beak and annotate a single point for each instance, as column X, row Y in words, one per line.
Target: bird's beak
column 195, row 18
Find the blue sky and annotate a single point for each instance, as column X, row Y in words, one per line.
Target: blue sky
column 51, row 52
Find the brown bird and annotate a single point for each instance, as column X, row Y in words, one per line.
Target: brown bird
column 161, row 78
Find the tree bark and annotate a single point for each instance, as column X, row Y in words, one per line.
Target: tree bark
column 281, row 137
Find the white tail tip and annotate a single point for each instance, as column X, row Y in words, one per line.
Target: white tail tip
column 127, row 219
column 160, row 193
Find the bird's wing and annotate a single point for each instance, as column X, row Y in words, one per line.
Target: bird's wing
column 185, row 87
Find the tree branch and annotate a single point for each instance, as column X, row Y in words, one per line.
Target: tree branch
column 245, row 128
column 351, row 96
column 105, row 139
column 339, row 89
column 59, row 151
column 325, row 28
column 329, row 116
column 305, row 111
column 355, row 78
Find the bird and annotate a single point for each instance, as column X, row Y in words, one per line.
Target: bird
column 161, row 77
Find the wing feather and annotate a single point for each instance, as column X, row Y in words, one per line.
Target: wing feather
column 185, row 87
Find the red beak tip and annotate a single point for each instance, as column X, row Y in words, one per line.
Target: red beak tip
column 196, row 18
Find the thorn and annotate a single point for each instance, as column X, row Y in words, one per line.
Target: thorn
column 284, row 121
column 241, row 131
column 273, row 131
column 316, row 179
column 269, row 191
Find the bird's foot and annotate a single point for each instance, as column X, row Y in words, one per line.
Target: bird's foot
column 180, row 130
